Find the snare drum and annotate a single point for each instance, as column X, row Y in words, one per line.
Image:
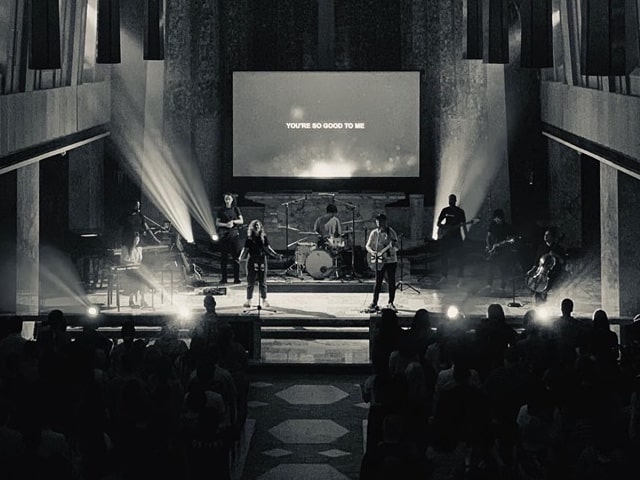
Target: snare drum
column 303, row 249
column 336, row 243
column 320, row 264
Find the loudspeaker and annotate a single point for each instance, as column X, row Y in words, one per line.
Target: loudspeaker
column 154, row 30
column 108, row 31
column 474, row 30
column 609, row 37
column 498, row 48
column 536, row 49
column 44, row 52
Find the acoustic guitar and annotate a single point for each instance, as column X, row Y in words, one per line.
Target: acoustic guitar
column 378, row 259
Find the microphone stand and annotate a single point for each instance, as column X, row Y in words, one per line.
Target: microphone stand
column 352, row 207
column 286, row 232
column 402, row 284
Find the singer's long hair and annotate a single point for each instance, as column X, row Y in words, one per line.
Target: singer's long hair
column 260, row 234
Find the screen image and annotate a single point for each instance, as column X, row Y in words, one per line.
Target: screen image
column 326, row 124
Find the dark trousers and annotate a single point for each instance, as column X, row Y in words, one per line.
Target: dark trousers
column 257, row 269
column 231, row 246
column 388, row 270
column 452, row 248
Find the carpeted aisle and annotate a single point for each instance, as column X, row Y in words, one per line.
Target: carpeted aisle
column 306, row 427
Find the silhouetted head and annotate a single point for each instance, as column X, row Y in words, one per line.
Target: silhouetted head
column 331, row 208
column 452, row 200
column 566, row 307
column 210, row 303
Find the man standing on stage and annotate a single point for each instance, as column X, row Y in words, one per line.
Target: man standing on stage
column 452, row 223
column 498, row 239
column 134, row 222
column 382, row 245
column 229, row 222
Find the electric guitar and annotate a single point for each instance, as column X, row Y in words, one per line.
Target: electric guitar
column 496, row 248
column 443, row 230
column 378, row 259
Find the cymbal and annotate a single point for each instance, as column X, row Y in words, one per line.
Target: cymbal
column 353, row 221
column 290, row 228
column 308, row 233
column 352, row 231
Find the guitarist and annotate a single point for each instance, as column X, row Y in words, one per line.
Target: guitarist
column 381, row 245
column 499, row 256
column 452, row 223
column 229, row 222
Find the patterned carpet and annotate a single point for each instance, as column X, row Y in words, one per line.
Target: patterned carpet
column 306, row 427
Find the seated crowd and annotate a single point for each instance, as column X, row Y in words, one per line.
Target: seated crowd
column 559, row 399
column 88, row 409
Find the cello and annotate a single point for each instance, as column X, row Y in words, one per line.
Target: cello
column 538, row 278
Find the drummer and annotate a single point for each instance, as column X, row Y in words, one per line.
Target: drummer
column 329, row 228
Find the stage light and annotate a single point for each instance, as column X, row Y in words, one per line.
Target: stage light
column 88, row 235
column 184, row 313
column 543, row 316
column 215, row 237
column 93, row 311
column 453, row 312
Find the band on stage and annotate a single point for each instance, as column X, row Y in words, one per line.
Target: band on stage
column 510, row 256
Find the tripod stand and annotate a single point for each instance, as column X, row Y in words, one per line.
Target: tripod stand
column 286, row 235
column 352, row 207
column 513, row 302
column 401, row 285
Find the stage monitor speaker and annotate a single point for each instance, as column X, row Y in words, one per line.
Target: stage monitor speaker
column 609, row 37
column 154, row 30
column 44, row 53
column 108, row 31
column 536, row 49
column 474, row 30
column 498, row 48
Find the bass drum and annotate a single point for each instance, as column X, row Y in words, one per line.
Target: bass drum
column 320, row 264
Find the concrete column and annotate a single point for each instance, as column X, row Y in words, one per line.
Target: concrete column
column 416, row 216
column 326, row 34
column 565, row 192
column 27, row 244
column 610, row 252
column 629, row 253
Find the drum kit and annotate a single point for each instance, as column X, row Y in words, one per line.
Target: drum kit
column 327, row 256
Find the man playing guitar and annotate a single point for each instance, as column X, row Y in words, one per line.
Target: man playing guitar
column 229, row 223
column 381, row 245
column 498, row 240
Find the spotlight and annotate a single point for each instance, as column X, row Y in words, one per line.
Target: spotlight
column 184, row 313
column 453, row 312
column 543, row 316
column 215, row 237
column 93, row 311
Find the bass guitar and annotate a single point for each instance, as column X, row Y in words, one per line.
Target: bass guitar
column 496, row 248
column 443, row 230
column 378, row 259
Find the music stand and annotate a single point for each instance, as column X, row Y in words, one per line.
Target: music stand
column 402, row 284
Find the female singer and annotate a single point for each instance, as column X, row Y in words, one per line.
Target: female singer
column 256, row 248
